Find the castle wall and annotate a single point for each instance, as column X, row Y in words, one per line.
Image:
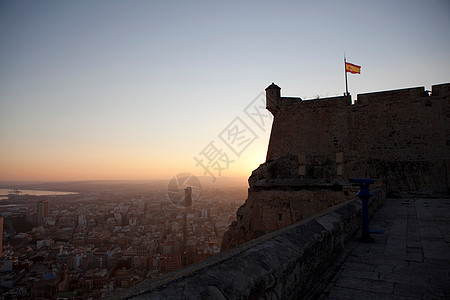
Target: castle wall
column 400, row 137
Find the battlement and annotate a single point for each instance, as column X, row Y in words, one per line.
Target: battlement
column 275, row 102
column 402, row 95
column 441, row 90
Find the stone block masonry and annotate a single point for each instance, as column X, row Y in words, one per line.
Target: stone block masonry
column 401, row 137
column 270, row 207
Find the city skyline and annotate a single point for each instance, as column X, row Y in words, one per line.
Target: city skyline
column 137, row 90
column 96, row 243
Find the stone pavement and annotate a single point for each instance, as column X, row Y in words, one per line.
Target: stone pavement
column 411, row 260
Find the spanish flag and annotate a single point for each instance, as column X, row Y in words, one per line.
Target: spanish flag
column 354, row 69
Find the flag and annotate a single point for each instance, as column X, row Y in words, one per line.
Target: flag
column 354, row 69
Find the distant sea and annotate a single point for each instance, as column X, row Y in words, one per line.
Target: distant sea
column 5, row 192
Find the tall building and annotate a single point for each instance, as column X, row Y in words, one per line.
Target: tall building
column 188, row 197
column 42, row 211
column 82, row 222
column 1, row 235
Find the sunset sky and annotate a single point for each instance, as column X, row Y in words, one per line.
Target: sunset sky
column 137, row 89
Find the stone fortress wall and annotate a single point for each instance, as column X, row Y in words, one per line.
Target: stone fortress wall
column 401, row 138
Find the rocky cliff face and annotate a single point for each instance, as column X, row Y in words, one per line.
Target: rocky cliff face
column 278, row 197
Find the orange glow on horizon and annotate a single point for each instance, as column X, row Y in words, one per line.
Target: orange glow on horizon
column 112, row 167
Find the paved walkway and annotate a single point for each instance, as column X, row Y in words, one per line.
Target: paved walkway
column 411, row 260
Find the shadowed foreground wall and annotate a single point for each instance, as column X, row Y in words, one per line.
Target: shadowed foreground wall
column 284, row 264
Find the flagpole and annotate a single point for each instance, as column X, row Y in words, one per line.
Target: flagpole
column 345, row 70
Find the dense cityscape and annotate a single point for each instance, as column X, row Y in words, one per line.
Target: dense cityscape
column 89, row 245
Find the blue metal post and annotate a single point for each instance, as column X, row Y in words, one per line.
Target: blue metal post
column 364, row 194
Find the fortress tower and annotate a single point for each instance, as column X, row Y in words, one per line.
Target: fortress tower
column 42, row 211
column 273, row 95
column 401, row 138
